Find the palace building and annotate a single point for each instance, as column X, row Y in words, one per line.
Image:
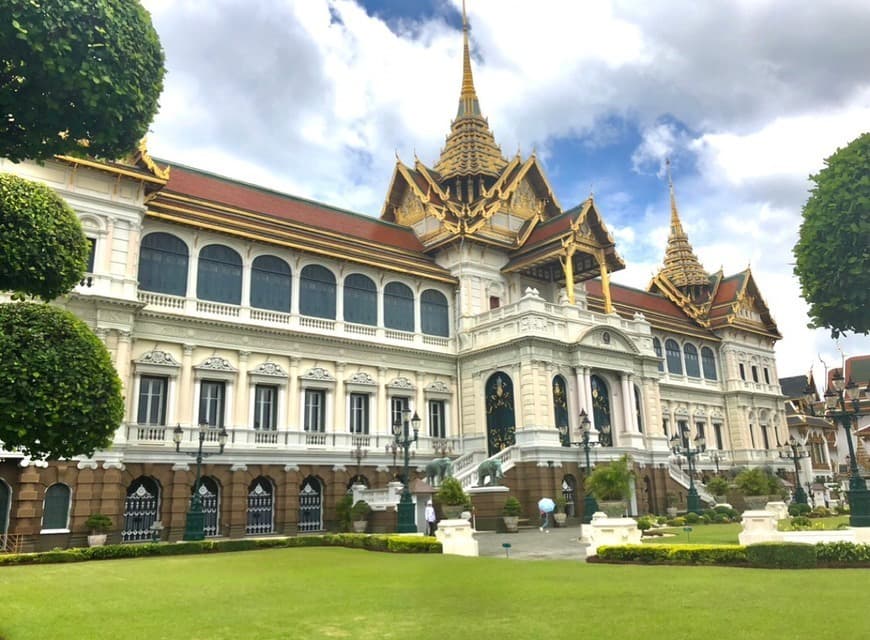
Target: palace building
column 475, row 300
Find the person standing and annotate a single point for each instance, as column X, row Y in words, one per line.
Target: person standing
column 430, row 518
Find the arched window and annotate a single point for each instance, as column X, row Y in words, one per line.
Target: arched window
column 317, row 292
column 693, row 369
column 210, row 497
column 657, row 345
column 163, row 264
column 398, row 307
column 219, row 275
column 141, row 509
column 672, row 351
column 270, row 284
column 360, row 300
column 261, row 507
column 638, row 407
column 55, row 510
column 601, row 413
column 560, row 409
column 434, row 320
column 708, row 360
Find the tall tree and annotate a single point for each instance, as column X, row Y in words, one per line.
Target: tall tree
column 76, row 77
column 833, row 250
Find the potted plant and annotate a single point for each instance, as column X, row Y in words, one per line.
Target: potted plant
column 511, row 514
column 758, row 486
column 611, row 486
column 452, row 499
column 359, row 515
column 718, row 487
column 342, row 512
column 559, row 514
column 99, row 526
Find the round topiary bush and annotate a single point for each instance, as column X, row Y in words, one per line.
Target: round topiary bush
column 43, row 251
column 60, row 396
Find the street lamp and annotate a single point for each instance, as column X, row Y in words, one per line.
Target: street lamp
column 358, row 453
column 590, row 505
column 841, row 405
column 194, row 524
column 402, row 428
column 715, row 458
column 794, row 451
column 693, row 501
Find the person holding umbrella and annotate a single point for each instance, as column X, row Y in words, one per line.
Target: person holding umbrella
column 546, row 507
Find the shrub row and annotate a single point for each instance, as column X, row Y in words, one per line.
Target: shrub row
column 769, row 555
column 386, row 542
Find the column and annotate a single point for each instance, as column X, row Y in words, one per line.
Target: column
column 587, row 391
column 339, row 422
column 185, row 391
column 382, row 419
column 632, row 404
column 240, row 413
column 122, row 364
column 420, row 402
column 293, row 395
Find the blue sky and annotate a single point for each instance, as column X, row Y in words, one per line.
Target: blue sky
column 316, row 98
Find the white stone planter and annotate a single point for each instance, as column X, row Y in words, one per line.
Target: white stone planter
column 97, row 539
column 359, row 526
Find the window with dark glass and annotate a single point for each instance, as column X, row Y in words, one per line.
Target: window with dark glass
column 638, row 407
column 315, row 410
column 152, row 400
column 708, row 361
column 219, row 275
column 672, row 351
column 766, row 376
column 665, row 426
column 494, row 302
column 717, row 431
column 92, row 254
column 359, row 413
column 437, row 421
column 211, row 403
column 764, row 438
column 683, row 431
column 657, row 345
column 317, row 292
column 434, row 319
column 397, row 405
column 693, row 369
column 699, row 430
column 754, row 373
column 163, row 264
column 265, row 407
column 271, row 284
column 742, row 372
column 55, row 510
column 398, row 307
column 360, row 300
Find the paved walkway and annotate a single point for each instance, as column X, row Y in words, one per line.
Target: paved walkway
column 531, row 544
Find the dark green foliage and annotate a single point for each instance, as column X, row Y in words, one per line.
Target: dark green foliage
column 611, row 481
column 801, row 522
column 798, row 509
column 98, row 523
column 820, row 512
column 843, row 554
column 386, row 543
column 782, row 555
column 758, row 481
column 451, row 493
column 90, row 69
column 360, row 510
column 645, row 523
column 717, row 485
column 43, row 251
column 692, row 518
column 342, row 512
column 833, row 249
column 674, row 554
column 60, row 396
column 512, row 507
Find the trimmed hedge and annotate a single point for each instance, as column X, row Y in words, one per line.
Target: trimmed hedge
column 782, row 555
column 684, row 554
column 770, row 555
column 386, row 542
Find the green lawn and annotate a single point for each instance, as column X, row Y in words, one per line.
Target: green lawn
column 354, row 594
column 700, row 534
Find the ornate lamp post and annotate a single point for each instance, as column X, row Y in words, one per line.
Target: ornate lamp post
column 715, row 458
column 795, row 451
column 194, row 524
column 402, row 428
column 693, row 501
column 590, row 505
column 358, row 453
column 841, row 405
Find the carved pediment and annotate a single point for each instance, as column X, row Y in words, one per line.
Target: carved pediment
column 269, row 369
column 216, row 363
column 401, row 383
column 318, row 373
column 361, row 377
column 160, row 358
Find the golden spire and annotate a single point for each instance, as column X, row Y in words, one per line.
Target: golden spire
column 470, row 149
column 681, row 266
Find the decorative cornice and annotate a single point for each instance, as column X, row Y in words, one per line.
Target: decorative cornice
column 361, row 377
column 269, row 369
column 401, row 383
column 157, row 357
column 318, row 373
column 216, row 363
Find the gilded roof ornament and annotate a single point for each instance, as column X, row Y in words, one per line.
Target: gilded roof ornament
column 470, row 149
column 681, row 266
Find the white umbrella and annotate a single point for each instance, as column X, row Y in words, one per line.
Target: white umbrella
column 546, row 505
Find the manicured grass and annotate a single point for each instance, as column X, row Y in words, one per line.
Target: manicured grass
column 700, row 534
column 345, row 593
